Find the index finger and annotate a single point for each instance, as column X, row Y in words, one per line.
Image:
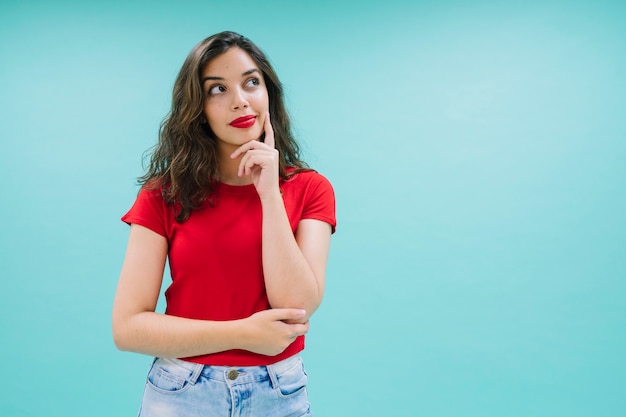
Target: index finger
column 269, row 131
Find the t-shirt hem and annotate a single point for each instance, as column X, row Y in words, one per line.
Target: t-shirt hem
column 129, row 220
column 324, row 219
column 245, row 358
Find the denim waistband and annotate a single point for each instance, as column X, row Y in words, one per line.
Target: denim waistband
column 237, row 374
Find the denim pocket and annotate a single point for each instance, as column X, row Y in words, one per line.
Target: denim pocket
column 292, row 381
column 168, row 377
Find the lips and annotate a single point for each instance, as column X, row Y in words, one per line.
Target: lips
column 243, row 122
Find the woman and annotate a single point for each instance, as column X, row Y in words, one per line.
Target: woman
column 245, row 227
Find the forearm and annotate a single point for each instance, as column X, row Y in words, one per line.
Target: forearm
column 162, row 335
column 289, row 280
column 267, row 332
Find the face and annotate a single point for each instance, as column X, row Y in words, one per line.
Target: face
column 235, row 98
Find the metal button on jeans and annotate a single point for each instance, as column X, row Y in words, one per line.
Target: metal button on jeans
column 232, row 375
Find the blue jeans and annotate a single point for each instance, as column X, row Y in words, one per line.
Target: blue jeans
column 184, row 389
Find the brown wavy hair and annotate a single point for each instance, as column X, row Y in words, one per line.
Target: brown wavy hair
column 184, row 163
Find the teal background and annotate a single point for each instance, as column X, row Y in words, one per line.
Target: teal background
column 477, row 150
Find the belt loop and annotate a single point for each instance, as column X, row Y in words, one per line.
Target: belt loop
column 195, row 374
column 273, row 377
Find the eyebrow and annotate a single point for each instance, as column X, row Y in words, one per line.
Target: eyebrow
column 250, row 71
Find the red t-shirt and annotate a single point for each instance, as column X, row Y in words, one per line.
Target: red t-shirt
column 215, row 256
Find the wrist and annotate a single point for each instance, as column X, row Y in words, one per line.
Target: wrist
column 272, row 196
column 241, row 333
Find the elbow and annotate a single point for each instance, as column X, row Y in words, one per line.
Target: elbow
column 309, row 305
column 287, row 301
column 120, row 342
column 120, row 335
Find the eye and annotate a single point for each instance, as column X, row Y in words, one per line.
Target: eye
column 216, row 89
column 252, row 82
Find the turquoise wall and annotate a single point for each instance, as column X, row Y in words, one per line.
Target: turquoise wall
column 478, row 154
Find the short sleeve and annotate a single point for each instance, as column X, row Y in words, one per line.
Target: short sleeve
column 320, row 202
column 150, row 211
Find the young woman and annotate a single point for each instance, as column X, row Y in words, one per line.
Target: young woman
column 245, row 227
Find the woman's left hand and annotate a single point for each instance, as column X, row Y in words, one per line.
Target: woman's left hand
column 260, row 160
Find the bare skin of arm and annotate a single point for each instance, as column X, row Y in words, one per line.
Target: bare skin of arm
column 138, row 328
column 294, row 266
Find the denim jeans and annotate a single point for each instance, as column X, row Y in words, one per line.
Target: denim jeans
column 178, row 388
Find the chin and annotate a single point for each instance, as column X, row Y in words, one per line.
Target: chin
column 257, row 134
column 241, row 137
column 245, row 139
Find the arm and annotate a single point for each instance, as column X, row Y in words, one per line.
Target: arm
column 137, row 327
column 293, row 266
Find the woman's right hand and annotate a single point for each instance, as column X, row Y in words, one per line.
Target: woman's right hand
column 268, row 333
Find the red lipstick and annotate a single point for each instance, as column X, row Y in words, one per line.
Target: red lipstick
column 243, row 122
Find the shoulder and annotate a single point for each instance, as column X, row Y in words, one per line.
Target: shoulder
column 306, row 178
column 310, row 194
column 309, row 186
column 151, row 193
column 151, row 210
column 149, row 196
column 157, row 193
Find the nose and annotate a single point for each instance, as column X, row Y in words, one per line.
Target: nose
column 239, row 100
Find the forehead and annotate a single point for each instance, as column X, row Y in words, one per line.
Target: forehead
column 231, row 64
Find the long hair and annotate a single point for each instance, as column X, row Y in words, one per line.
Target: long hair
column 184, row 163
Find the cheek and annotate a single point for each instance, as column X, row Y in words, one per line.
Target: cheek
column 212, row 113
column 261, row 99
